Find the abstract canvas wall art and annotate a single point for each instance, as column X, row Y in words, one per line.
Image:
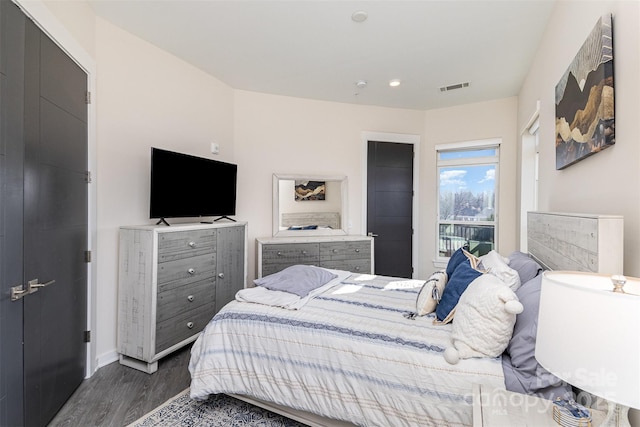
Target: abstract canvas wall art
column 309, row 190
column 585, row 120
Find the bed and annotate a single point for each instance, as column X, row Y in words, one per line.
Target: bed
column 354, row 353
column 310, row 220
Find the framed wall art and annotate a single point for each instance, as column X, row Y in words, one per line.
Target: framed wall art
column 309, row 190
column 585, row 120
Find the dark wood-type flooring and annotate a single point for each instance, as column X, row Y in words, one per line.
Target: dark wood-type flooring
column 117, row 395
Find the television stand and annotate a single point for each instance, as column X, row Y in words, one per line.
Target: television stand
column 163, row 221
column 224, row 217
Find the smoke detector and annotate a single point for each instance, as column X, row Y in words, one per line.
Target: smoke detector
column 361, row 84
column 359, row 16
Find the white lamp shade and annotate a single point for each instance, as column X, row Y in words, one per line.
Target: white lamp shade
column 589, row 336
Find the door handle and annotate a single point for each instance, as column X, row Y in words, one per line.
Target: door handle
column 370, row 234
column 35, row 285
column 18, row 292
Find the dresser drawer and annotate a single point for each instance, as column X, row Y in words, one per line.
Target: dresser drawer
column 271, row 268
column 336, row 251
column 187, row 270
column 353, row 265
column 173, row 302
column 183, row 326
column 291, row 253
column 185, row 244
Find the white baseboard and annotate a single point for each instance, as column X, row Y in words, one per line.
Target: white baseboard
column 106, row 359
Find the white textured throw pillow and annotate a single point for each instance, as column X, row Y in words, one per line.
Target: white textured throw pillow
column 431, row 293
column 496, row 264
column 485, row 316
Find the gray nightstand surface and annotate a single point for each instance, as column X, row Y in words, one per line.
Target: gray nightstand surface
column 494, row 407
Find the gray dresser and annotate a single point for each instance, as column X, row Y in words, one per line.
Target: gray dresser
column 351, row 253
column 171, row 282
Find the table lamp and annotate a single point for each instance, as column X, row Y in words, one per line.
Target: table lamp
column 589, row 336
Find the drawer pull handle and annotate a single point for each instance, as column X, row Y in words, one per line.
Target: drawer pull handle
column 357, row 250
column 192, row 244
column 191, row 271
column 190, row 298
column 304, row 252
column 190, row 325
column 221, row 275
column 335, row 251
column 357, row 268
column 279, row 253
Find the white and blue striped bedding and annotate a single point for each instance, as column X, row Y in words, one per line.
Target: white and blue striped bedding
column 348, row 354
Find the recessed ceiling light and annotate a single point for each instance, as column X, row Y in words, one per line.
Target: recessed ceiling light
column 394, row 82
column 359, row 16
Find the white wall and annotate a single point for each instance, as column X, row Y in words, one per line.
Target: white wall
column 607, row 182
column 277, row 134
column 145, row 97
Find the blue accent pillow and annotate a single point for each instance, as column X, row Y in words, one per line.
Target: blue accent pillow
column 455, row 260
column 303, row 227
column 456, row 285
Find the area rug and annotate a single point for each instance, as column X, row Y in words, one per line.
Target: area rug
column 219, row 410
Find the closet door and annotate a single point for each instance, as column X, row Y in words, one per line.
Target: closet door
column 56, row 224
column 44, row 223
column 12, row 25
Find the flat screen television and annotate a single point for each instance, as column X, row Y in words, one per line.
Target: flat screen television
column 188, row 186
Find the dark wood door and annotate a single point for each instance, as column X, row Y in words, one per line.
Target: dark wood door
column 390, row 206
column 54, row 229
column 12, row 25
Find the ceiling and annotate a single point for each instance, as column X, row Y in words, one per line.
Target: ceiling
column 314, row 49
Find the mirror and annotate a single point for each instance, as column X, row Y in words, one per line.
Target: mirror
column 309, row 205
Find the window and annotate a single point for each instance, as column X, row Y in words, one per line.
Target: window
column 467, row 196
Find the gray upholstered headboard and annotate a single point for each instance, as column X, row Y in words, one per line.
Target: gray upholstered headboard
column 321, row 219
column 576, row 242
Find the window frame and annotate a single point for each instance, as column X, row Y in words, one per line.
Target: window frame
column 464, row 162
column 529, row 174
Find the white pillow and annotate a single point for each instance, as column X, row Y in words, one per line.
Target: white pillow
column 496, row 264
column 431, row 293
column 485, row 316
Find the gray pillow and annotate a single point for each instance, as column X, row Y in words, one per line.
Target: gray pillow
column 296, row 279
column 523, row 373
column 526, row 266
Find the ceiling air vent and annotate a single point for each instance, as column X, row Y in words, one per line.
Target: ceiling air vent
column 453, row 87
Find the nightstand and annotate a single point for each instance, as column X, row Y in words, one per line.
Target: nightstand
column 493, row 407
